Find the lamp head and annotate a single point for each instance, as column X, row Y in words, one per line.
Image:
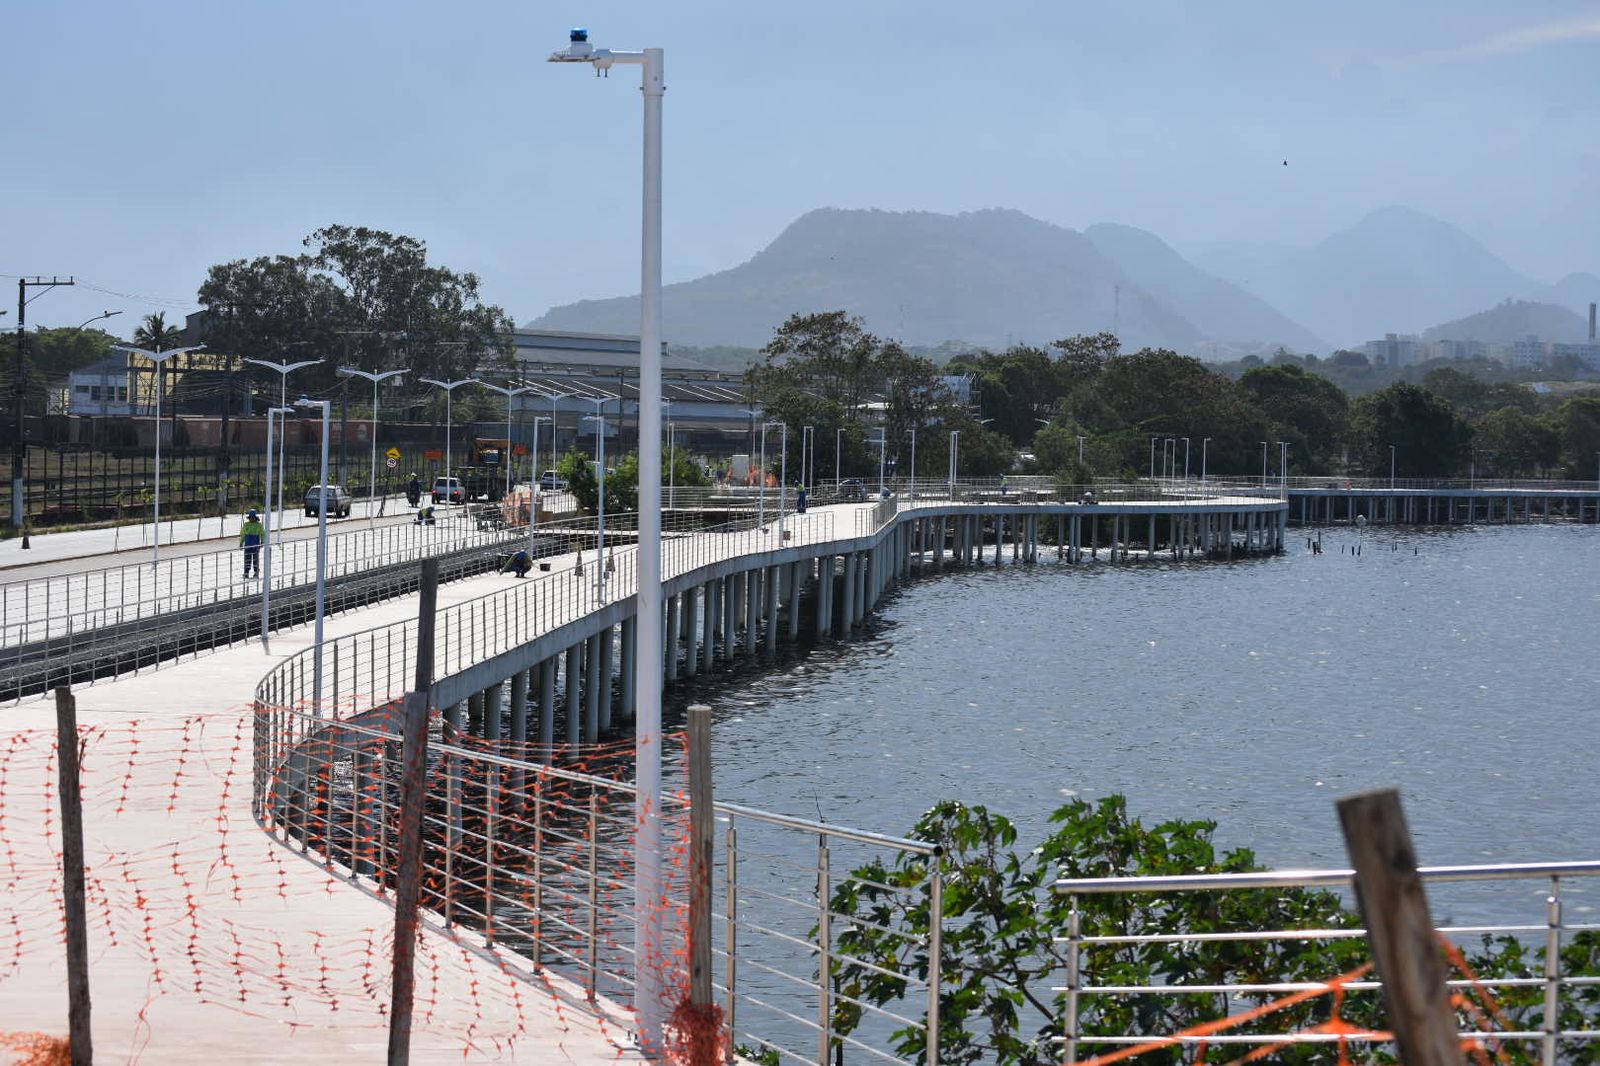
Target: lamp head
column 578, row 49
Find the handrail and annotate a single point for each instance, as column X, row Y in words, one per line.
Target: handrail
column 1087, row 886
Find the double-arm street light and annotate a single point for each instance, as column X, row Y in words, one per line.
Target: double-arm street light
column 284, row 369
column 372, row 470
column 509, row 392
column 649, row 989
column 159, row 358
column 449, row 388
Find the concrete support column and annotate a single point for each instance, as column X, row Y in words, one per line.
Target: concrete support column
column 708, row 626
column 774, row 598
column 629, row 668
column 572, row 685
column 608, row 652
column 670, row 636
column 822, row 605
column 792, row 623
column 475, row 714
column 728, row 600
column 591, row 689
column 691, row 631
column 519, row 712
column 752, row 610
column 547, row 705
column 848, row 615
column 492, row 697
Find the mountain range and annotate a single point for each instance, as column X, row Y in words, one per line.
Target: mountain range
column 999, row 276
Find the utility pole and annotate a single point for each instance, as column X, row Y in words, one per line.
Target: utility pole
column 19, row 449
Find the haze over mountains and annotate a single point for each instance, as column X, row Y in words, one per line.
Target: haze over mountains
column 998, row 276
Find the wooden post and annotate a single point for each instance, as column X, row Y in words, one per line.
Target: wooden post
column 1405, row 947
column 72, row 880
column 702, row 821
column 413, row 795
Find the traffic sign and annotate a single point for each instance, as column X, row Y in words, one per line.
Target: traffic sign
column 393, row 455
column 391, row 462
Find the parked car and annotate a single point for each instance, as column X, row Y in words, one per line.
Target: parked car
column 448, row 490
column 334, row 497
column 550, row 481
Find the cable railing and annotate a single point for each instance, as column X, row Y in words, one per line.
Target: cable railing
column 538, row 859
column 1115, row 996
column 1520, row 486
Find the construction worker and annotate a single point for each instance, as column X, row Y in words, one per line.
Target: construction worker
column 519, row 562
column 425, row 515
column 251, row 536
column 413, row 490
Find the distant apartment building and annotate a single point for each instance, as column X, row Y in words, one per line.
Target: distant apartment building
column 1588, row 354
column 1526, row 354
column 1396, row 349
column 1449, row 349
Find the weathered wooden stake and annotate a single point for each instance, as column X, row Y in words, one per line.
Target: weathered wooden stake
column 702, row 821
column 413, row 794
column 1405, row 947
column 72, row 879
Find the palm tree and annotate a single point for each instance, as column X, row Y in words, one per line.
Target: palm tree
column 155, row 335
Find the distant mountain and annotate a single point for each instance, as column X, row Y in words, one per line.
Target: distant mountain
column 1219, row 309
column 1514, row 320
column 1575, row 292
column 984, row 277
column 1395, row 271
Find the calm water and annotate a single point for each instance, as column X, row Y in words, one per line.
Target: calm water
column 1461, row 667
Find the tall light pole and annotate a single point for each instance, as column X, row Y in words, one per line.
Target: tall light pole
column 284, row 369
column 808, row 453
column 1205, row 446
column 449, row 388
column 1081, row 439
column 372, row 468
column 322, row 550
column 505, row 460
column 599, row 420
column 912, row 492
column 1263, row 464
column 650, row 993
column 883, row 445
column 266, row 547
column 533, row 478
column 1283, row 467
column 160, row 360
column 955, row 451
column 1391, row 466
column 672, row 456
column 838, row 444
column 1153, row 457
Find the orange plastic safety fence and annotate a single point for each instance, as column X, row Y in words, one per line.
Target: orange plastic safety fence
column 180, row 878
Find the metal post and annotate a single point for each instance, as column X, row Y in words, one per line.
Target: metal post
column 72, row 888
column 1552, row 975
column 266, row 545
column 824, row 955
column 702, row 820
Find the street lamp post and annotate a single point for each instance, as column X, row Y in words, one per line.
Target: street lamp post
column 599, row 420
column 533, row 477
column 160, row 360
column 1205, row 446
column 1391, row 467
column 1283, row 468
column 1263, row 464
column 449, row 388
column 1081, row 439
column 912, row 489
column 649, row 990
column 505, row 460
column 284, row 369
column 322, row 550
column 372, row 469
column 955, row 447
column 808, row 453
column 1153, row 457
column 266, row 547
column 883, row 446
column 838, row 442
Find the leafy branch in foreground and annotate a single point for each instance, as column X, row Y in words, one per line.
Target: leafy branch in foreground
column 1004, row 948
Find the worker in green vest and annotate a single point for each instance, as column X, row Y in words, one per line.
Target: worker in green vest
column 251, row 536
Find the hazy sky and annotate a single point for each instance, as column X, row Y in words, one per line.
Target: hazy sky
column 146, row 141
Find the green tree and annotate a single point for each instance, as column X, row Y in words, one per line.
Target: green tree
column 1429, row 438
column 1305, row 409
column 622, row 478
column 1511, row 443
column 1577, row 425
column 359, row 297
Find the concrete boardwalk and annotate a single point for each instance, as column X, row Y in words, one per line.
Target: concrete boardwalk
column 208, row 941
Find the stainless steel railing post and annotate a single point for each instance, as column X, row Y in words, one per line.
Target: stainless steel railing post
column 1552, row 975
column 594, row 899
column 824, row 955
column 731, row 979
column 1069, row 1017
column 935, row 950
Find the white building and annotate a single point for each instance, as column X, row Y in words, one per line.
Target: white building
column 100, row 388
column 1396, row 349
column 1526, row 354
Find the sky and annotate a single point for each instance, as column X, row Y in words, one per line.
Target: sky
column 145, row 142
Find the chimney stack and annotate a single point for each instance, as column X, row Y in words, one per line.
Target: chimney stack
column 1591, row 323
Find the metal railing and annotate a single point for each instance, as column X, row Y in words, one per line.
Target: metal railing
column 38, row 609
column 1534, row 1007
column 538, row 860
column 1528, row 486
